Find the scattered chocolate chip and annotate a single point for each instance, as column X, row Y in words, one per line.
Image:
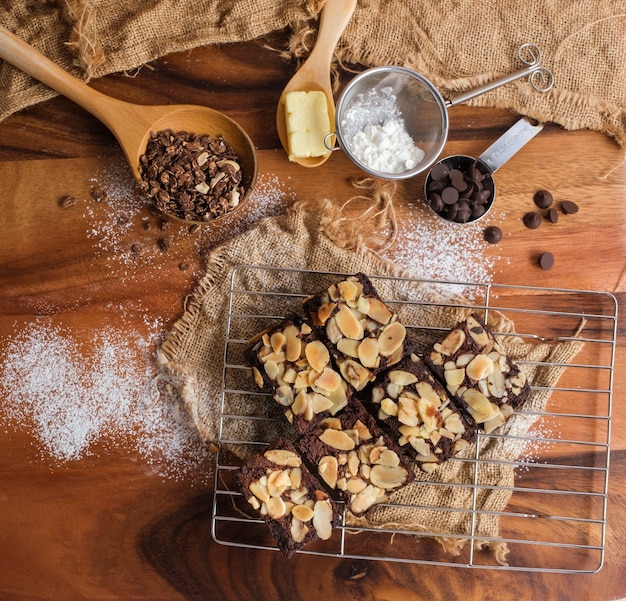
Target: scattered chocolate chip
column 546, row 260
column 136, row 249
column 532, row 220
column 543, row 199
column 146, row 225
column 163, row 243
column 568, row 207
column 552, row 216
column 436, row 202
column 450, row 195
column 439, row 171
column 165, row 224
column 183, row 266
column 493, row 234
column 194, row 228
column 67, row 201
column 98, row 194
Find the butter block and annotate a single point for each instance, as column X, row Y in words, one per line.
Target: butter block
column 307, row 124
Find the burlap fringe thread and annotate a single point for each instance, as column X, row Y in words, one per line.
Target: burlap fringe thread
column 83, row 39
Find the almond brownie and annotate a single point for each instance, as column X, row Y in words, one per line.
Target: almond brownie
column 355, row 458
column 419, row 414
column 362, row 333
column 296, row 369
column 291, row 501
column 478, row 373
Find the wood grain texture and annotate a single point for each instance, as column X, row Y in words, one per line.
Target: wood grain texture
column 107, row 526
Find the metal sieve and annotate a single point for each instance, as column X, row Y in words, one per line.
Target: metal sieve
column 381, row 94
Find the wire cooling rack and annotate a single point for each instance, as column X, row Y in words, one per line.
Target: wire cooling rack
column 555, row 517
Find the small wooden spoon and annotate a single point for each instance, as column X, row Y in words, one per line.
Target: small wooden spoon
column 314, row 74
column 130, row 123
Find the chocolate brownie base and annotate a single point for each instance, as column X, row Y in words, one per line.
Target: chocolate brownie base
column 363, row 334
column 478, row 373
column 295, row 367
column 356, row 459
column 288, row 497
column 418, row 413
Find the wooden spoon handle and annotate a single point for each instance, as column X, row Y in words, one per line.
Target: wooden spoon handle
column 18, row 53
column 335, row 17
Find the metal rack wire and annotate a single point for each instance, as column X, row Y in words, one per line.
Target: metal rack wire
column 555, row 517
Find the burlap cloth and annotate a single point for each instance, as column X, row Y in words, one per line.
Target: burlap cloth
column 457, row 44
column 193, row 358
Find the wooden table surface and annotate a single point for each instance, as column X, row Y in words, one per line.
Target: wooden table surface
column 126, row 521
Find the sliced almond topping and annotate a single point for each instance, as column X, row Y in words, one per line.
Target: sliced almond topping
column 420, row 445
column 276, row 508
column 348, row 323
column 479, row 405
column 348, row 289
column 302, row 513
column 271, row 369
column 426, row 391
column 320, row 403
column 331, row 422
column 429, row 468
column 277, row 340
column 324, row 312
column 454, row 378
column 349, row 347
column 436, row 358
column 389, row 407
column 295, row 475
column 329, row 380
column 368, row 352
column 258, row 377
column 454, row 424
column 460, row 445
column 298, row 531
column 283, row 457
column 259, row 491
column 362, row 430
column 278, row 482
column 369, row 496
column 388, row 477
column 479, row 367
column 337, row 439
column 496, row 383
column 301, row 403
column 477, row 332
column 332, row 331
column 353, row 463
column 399, row 377
column 451, row 343
column 355, row 485
column 284, row 396
column 363, row 305
column 389, row 458
column 391, row 338
column 328, row 470
column 355, row 374
column 323, row 519
column 378, row 311
column 317, row 355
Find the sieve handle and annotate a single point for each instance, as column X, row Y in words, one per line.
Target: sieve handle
column 541, row 78
column 509, row 143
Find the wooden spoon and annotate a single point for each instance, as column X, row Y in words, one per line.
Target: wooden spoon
column 314, row 74
column 130, row 123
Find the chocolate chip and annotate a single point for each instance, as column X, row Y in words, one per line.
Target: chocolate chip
column 493, row 234
column 568, row 207
column 543, row 199
column 532, row 220
column 552, row 215
column 546, row 260
column 450, row 195
column 67, row 201
column 439, row 171
column 436, row 202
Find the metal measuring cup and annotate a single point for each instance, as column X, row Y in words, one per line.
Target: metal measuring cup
column 461, row 188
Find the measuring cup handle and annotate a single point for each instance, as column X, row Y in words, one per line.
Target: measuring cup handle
column 509, row 143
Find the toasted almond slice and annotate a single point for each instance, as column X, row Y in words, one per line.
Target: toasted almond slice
column 325, row 311
column 477, row 332
column 259, row 491
column 317, row 355
column 378, row 311
column 353, row 463
column 328, row 470
column 388, row 477
column 479, row 367
column 388, row 457
column 493, row 422
column 496, row 383
column 454, row 424
column 323, row 519
column 391, row 338
column 389, row 407
column 320, row 403
column 276, row 508
column 284, row 396
column 355, row 485
column 401, row 377
column 331, row 422
column 283, row 457
column 277, row 340
column 349, row 347
column 293, row 344
column 362, row 431
column 258, row 377
column 348, row 323
column 302, row 513
column 329, row 380
column 348, row 289
column 478, row 402
column 420, row 445
column 337, row 439
column 301, row 403
column 278, row 481
column 271, row 369
column 355, row 374
column 451, row 343
column 429, row 468
column 460, row 445
column 298, row 530
column 369, row 496
column 454, row 378
column 368, row 352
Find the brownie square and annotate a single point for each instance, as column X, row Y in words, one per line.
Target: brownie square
column 420, row 416
column 358, row 462
column 295, row 367
column 291, row 501
column 362, row 333
column 478, row 373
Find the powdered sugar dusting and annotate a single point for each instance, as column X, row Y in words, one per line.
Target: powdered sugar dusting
column 436, row 250
column 76, row 400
